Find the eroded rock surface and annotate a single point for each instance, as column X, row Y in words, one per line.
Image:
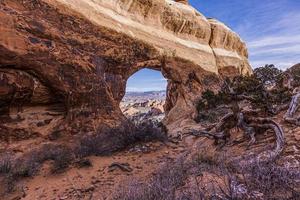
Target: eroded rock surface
column 142, row 107
column 75, row 57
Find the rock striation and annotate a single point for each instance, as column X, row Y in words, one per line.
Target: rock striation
column 74, row 58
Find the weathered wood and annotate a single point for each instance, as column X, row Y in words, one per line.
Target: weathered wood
column 293, row 108
column 267, row 123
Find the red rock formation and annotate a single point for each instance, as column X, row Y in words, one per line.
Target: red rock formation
column 78, row 55
column 182, row 1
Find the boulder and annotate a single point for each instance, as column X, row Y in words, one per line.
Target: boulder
column 79, row 55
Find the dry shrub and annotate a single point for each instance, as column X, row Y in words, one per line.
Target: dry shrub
column 150, row 131
column 185, row 180
column 109, row 141
column 162, row 186
column 272, row 181
column 12, row 169
column 5, row 163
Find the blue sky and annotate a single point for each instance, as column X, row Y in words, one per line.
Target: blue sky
column 146, row 80
column 271, row 29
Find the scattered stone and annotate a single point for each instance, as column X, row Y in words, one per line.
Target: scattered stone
column 94, row 182
column 122, row 166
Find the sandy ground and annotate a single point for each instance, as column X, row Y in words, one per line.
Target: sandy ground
column 97, row 181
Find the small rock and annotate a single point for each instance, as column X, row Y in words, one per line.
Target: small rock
column 123, row 166
column 95, row 181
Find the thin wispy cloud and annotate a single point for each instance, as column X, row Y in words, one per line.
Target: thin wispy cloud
column 270, row 28
column 274, row 40
column 282, row 43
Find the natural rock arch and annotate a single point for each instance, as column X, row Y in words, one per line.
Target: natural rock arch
column 183, row 1
column 83, row 52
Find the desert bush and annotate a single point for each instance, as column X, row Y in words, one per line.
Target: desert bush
column 25, row 167
column 264, row 89
column 182, row 179
column 162, row 186
column 7, row 184
column 12, row 169
column 62, row 158
column 210, row 100
column 149, row 131
column 268, row 74
column 29, row 164
column 177, row 180
column 5, row 163
column 105, row 142
column 211, row 115
column 108, row 141
column 258, row 180
column 272, row 180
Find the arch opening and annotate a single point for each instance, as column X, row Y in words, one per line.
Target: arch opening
column 145, row 96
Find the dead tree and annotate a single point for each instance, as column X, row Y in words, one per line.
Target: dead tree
column 266, row 123
column 249, row 125
column 245, row 121
column 248, row 130
column 293, row 108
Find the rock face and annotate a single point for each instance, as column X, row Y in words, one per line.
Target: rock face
column 142, row 107
column 182, row 1
column 74, row 58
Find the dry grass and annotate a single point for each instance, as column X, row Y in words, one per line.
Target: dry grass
column 112, row 140
column 272, row 181
column 185, row 180
column 162, row 185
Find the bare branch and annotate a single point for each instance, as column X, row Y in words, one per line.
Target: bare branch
column 294, row 106
column 267, row 123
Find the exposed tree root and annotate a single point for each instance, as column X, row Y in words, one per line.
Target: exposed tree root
column 266, row 123
column 219, row 132
column 248, row 130
column 249, row 126
column 123, row 166
column 294, row 106
column 276, row 110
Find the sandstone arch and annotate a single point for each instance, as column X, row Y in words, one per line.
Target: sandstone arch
column 183, row 1
column 83, row 52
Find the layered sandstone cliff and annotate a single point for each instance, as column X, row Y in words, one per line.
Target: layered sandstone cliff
column 74, row 58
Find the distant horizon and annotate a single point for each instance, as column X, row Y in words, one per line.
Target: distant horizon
column 146, row 91
column 146, row 80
